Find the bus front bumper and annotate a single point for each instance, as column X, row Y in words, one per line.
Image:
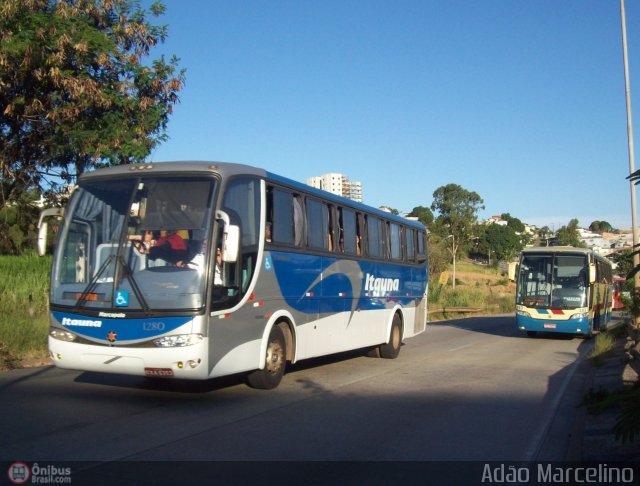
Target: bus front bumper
column 188, row 362
column 579, row 325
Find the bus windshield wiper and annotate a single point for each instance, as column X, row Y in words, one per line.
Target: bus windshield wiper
column 127, row 273
column 134, row 285
column 92, row 284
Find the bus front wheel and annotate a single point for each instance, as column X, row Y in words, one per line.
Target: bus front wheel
column 391, row 350
column 275, row 362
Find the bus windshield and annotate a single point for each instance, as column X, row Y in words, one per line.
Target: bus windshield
column 552, row 281
column 135, row 244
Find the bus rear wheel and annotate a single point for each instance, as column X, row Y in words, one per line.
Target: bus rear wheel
column 391, row 350
column 275, row 362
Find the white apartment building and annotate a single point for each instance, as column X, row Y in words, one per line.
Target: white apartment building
column 337, row 184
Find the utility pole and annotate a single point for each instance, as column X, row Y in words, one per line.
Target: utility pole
column 634, row 224
column 453, row 253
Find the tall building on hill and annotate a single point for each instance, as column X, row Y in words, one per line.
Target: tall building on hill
column 337, row 184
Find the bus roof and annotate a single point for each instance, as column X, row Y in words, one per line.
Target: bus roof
column 229, row 169
column 563, row 249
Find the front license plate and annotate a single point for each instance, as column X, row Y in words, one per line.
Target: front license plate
column 549, row 325
column 158, row 371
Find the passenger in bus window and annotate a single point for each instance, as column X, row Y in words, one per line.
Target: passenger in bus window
column 267, row 233
column 145, row 242
column 217, row 279
column 171, row 248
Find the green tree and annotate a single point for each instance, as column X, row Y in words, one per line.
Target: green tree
column 600, row 227
column 502, row 241
column 518, row 227
column 75, row 93
column 457, row 210
column 568, row 235
column 623, row 260
column 18, row 224
column 544, row 234
column 390, row 210
column 424, row 215
column 438, row 256
column 514, row 223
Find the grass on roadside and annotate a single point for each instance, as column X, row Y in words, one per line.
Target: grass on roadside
column 476, row 287
column 602, row 348
column 24, row 291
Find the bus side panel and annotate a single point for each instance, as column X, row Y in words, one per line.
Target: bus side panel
column 335, row 305
column 236, row 337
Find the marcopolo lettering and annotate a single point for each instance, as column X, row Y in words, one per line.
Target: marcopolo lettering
column 66, row 321
column 381, row 285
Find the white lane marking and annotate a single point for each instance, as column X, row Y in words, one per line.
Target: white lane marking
column 461, row 347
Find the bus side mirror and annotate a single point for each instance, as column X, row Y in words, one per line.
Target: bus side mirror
column 42, row 238
column 230, row 243
column 230, row 238
column 513, row 270
column 592, row 273
column 43, row 227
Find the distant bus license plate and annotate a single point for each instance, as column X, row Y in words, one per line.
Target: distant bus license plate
column 548, row 325
column 158, row 371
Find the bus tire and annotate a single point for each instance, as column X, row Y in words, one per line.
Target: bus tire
column 275, row 362
column 532, row 333
column 391, row 350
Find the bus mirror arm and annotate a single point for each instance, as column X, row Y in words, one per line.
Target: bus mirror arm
column 43, row 227
column 230, row 238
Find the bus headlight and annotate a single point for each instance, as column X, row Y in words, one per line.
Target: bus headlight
column 580, row 315
column 178, row 340
column 61, row 334
column 522, row 313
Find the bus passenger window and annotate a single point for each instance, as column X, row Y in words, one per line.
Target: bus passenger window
column 298, row 220
column 411, row 245
column 348, row 225
column 360, row 230
column 333, row 228
column 318, row 218
column 282, row 230
column 422, row 247
column 395, row 241
column 374, row 237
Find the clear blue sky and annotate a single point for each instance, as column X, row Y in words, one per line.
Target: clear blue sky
column 520, row 101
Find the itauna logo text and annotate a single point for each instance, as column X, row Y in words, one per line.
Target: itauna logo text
column 380, row 286
column 66, row 321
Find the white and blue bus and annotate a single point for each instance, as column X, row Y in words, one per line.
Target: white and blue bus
column 562, row 289
column 196, row 270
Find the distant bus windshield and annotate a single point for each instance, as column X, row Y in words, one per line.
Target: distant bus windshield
column 555, row 281
column 127, row 243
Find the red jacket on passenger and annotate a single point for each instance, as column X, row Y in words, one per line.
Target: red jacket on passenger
column 175, row 241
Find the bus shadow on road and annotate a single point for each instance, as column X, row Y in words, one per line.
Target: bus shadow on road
column 159, row 384
column 501, row 325
column 212, row 384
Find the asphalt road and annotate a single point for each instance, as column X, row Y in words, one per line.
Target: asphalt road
column 465, row 390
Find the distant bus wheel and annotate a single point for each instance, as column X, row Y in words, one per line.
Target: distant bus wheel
column 391, row 349
column 275, row 362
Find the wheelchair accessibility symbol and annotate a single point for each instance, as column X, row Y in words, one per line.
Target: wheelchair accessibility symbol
column 122, row 298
